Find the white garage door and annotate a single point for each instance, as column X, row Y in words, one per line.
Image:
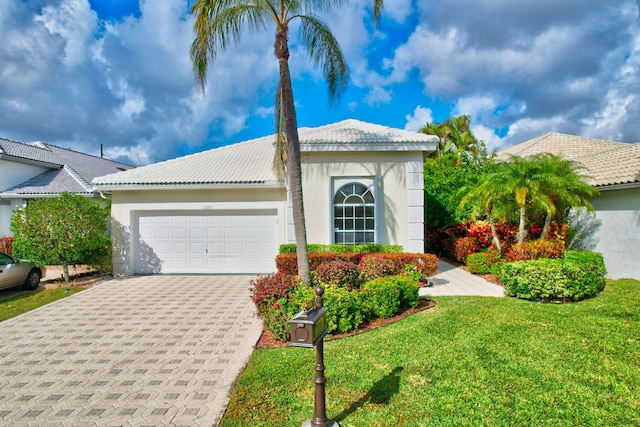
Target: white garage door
column 207, row 242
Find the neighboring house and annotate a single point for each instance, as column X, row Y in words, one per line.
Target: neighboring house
column 225, row 211
column 614, row 169
column 37, row 170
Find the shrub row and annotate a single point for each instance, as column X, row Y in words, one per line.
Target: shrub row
column 6, row 244
column 369, row 265
column 290, row 248
column 347, row 309
column 577, row 276
column 535, row 249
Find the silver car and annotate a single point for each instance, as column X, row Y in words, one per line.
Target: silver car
column 16, row 272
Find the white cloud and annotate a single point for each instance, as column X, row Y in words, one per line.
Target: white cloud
column 491, row 140
column 75, row 23
column 420, row 117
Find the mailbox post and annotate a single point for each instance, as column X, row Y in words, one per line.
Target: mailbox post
column 308, row 329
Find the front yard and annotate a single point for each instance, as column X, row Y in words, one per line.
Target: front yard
column 468, row 361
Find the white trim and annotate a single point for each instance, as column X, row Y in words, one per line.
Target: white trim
column 190, row 186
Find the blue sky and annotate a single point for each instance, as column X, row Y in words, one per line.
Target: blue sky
column 80, row 73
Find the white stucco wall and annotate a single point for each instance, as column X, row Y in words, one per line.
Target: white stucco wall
column 14, row 173
column 6, row 210
column 617, row 232
column 126, row 206
column 399, row 195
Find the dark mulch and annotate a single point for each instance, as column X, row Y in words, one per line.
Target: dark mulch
column 268, row 341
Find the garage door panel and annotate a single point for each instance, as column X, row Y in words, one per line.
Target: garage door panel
column 211, row 242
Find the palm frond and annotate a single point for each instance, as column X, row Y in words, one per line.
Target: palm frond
column 325, row 51
column 219, row 22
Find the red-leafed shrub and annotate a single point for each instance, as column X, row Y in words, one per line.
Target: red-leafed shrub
column 535, row 249
column 481, row 231
column 338, row 272
column 376, row 265
column 265, row 289
column 534, row 231
column 287, row 264
column 557, row 231
column 6, row 244
column 463, row 247
column 425, row 264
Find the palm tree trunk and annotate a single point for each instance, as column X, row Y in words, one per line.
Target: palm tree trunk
column 494, row 233
column 522, row 233
column 545, row 228
column 293, row 154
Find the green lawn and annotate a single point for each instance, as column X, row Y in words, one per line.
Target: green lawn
column 468, row 361
column 33, row 299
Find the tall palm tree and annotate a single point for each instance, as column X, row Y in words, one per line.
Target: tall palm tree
column 218, row 22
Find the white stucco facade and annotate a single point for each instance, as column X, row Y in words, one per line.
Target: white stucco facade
column 398, row 183
column 617, row 231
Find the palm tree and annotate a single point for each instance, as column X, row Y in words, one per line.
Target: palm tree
column 218, row 22
column 565, row 185
column 487, row 200
column 454, row 136
column 444, row 144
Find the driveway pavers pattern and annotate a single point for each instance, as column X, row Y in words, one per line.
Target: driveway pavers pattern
column 143, row 351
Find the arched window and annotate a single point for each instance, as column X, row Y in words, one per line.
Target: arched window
column 354, row 211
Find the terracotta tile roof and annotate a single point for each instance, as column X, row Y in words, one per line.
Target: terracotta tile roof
column 605, row 162
column 250, row 162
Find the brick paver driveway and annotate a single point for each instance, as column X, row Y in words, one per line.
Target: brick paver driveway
column 143, row 351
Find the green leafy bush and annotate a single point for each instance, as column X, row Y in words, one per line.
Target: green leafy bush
column 481, row 262
column 345, row 311
column 535, row 249
column 579, row 275
column 290, row 248
column 338, row 272
column 408, row 288
column 381, row 298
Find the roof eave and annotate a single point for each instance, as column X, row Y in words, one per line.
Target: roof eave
column 5, row 156
column 111, row 187
column 625, row 186
column 328, row 147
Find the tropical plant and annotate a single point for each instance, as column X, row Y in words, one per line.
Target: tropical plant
column 542, row 182
column 565, row 185
column 63, row 231
column 454, row 137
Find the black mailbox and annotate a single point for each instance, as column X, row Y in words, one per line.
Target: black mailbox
column 308, row 327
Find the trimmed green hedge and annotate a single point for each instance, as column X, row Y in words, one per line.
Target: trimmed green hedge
column 290, row 248
column 577, row 276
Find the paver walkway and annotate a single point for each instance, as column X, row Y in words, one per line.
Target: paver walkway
column 455, row 281
column 144, row 351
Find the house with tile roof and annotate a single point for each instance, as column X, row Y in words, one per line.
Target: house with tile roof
column 614, row 169
column 37, row 170
column 226, row 211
